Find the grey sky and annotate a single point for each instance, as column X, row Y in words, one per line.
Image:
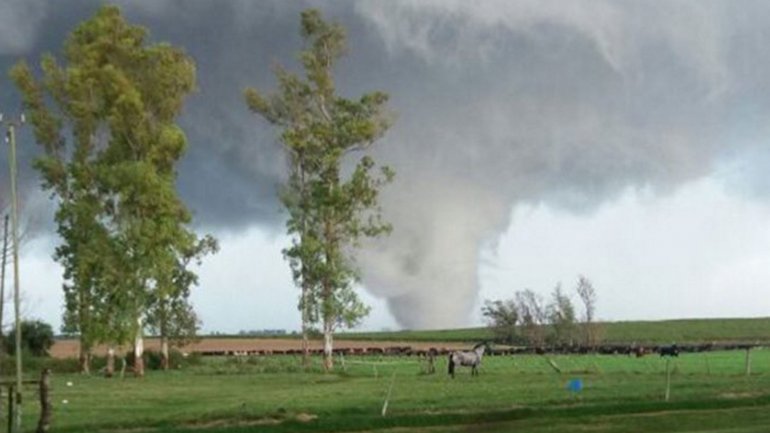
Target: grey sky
column 535, row 140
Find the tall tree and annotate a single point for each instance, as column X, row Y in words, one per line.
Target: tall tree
column 587, row 294
column 328, row 212
column 503, row 318
column 171, row 316
column 110, row 148
column 561, row 315
column 532, row 315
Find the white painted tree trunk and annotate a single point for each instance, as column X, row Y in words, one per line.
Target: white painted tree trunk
column 328, row 345
column 109, row 371
column 139, row 350
column 84, row 359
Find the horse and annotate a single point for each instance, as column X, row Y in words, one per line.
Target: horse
column 468, row 359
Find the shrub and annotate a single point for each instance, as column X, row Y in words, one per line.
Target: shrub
column 36, row 338
column 176, row 359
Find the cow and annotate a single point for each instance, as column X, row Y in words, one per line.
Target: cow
column 669, row 351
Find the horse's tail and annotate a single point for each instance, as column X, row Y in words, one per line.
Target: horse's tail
column 451, row 365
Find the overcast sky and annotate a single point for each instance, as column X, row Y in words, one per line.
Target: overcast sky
column 535, row 141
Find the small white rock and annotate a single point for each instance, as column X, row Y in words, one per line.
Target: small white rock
column 64, row 402
column 69, row 383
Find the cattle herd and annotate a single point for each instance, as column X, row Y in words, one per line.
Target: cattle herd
column 606, row 349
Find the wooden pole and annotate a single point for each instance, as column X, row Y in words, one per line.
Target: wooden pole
column 2, row 270
column 668, row 378
column 44, row 424
column 748, row 361
column 15, row 249
column 10, row 408
column 2, row 285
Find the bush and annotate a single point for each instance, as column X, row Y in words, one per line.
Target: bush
column 152, row 359
column 36, row 338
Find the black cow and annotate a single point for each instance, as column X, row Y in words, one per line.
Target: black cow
column 669, row 351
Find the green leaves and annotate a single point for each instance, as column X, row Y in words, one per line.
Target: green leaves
column 106, row 119
column 328, row 210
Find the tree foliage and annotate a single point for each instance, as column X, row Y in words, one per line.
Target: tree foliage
column 503, row 318
column 329, row 210
column 106, row 120
column 36, row 338
column 561, row 316
column 533, row 316
column 591, row 330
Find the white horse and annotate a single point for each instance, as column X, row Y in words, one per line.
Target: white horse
column 468, row 359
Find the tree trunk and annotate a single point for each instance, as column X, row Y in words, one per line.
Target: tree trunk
column 84, row 358
column 164, row 361
column 305, row 284
column 305, row 320
column 328, row 342
column 109, row 371
column 305, row 346
column 328, row 293
column 139, row 351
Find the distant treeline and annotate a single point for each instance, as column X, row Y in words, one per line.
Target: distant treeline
column 681, row 331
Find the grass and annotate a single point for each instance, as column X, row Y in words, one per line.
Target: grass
column 752, row 330
column 710, row 391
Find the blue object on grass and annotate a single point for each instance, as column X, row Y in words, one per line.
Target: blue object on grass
column 575, row 385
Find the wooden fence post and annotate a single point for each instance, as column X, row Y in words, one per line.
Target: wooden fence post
column 44, row 424
column 668, row 378
column 10, row 408
column 748, row 361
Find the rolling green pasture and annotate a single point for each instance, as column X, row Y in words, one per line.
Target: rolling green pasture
column 710, row 392
column 751, row 330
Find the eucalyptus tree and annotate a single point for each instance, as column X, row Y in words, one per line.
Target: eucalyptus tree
column 106, row 120
column 591, row 328
column 329, row 212
column 171, row 316
column 562, row 317
column 533, row 316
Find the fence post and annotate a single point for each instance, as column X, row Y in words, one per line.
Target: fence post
column 668, row 378
column 44, row 424
column 748, row 361
column 10, row 408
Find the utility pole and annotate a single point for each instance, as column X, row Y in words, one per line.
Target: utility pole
column 3, row 259
column 11, row 138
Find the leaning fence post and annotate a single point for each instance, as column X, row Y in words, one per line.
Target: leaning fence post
column 44, row 424
column 10, row 408
column 668, row 378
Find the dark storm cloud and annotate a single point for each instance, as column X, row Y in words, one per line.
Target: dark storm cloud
column 498, row 103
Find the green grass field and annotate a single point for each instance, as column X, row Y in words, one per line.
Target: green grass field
column 710, row 392
column 753, row 330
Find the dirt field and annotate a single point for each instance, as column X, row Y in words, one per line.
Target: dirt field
column 69, row 348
